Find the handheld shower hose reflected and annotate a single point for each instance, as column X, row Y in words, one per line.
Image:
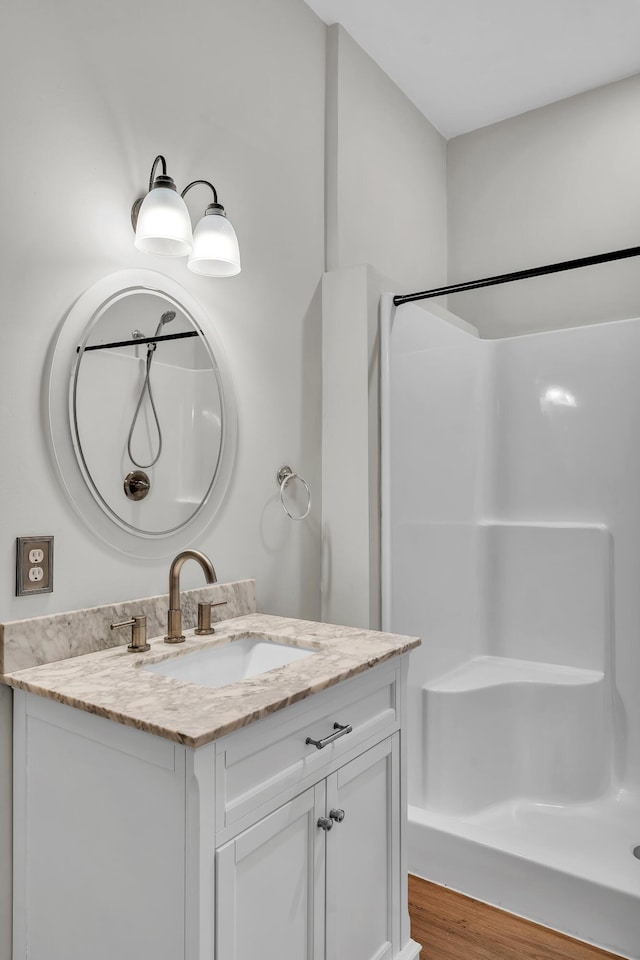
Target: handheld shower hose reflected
column 146, row 388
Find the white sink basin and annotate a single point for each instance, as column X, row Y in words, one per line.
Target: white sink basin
column 230, row 662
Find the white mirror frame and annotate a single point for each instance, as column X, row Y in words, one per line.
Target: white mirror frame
column 59, row 375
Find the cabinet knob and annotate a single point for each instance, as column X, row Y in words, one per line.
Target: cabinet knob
column 325, row 823
column 337, row 815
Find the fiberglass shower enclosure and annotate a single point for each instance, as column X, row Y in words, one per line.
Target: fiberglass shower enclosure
column 511, row 545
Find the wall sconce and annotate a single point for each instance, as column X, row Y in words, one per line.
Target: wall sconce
column 163, row 226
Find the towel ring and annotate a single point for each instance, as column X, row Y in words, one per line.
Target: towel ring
column 284, row 475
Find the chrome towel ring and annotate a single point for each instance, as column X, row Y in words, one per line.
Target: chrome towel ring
column 284, row 476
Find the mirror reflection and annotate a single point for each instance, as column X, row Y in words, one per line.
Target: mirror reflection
column 146, row 411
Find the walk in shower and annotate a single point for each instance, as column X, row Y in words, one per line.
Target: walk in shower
column 511, row 545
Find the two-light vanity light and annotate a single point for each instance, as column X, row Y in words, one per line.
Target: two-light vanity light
column 163, row 226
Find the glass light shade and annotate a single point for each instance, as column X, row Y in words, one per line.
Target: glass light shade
column 164, row 225
column 215, row 247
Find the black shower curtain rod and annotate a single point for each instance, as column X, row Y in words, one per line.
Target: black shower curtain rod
column 138, row 341
column 519, row 275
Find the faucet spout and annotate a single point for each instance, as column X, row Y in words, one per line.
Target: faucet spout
column 174, row 632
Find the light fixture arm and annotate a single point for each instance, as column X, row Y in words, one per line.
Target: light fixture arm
column 206, row 183
column 152, row 175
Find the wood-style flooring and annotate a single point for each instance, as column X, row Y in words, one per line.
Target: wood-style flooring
column 450, row 926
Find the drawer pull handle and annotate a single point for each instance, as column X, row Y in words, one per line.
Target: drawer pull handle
column 325, row 823
column 340, row 731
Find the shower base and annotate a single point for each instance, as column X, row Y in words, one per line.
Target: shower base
column 567, row 867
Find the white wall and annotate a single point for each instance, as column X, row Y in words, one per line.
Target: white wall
column 350, row 447
column 386, row 230
column 90, row 93
column 95, row 92
column 553, row 184
column 386, row 174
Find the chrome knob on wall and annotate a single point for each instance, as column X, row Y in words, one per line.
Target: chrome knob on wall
column 137, row 485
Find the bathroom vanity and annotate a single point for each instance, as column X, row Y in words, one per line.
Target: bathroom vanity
column 158, row 818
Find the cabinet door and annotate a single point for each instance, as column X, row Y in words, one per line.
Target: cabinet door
column 270, row 883
column 363, row 862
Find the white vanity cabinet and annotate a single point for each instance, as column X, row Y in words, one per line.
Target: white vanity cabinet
column 135, row 847
column 309, row 891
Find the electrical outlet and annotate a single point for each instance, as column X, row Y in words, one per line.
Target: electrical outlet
column 34, row 565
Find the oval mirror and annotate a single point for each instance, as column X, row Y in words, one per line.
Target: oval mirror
column 141, row 412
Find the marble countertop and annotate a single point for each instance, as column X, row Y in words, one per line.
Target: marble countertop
column 111, row 683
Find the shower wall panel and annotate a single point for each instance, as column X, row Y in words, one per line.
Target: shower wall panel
column 568, row 450
column 437, row 460
column 547, row 593
column 512, row 547
column 515, row 515
column 437, row 381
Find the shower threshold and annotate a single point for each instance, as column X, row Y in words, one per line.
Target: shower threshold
column 570, row 867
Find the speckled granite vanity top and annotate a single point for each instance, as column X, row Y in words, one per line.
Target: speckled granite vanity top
column 111, row 682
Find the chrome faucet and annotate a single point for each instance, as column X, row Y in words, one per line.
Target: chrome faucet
column 174, row 631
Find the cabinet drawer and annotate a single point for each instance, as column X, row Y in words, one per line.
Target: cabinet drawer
column 257, row 765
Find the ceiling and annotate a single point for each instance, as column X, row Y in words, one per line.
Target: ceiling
column 468, row 63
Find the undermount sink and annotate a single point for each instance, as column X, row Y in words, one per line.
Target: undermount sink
column 238, row 660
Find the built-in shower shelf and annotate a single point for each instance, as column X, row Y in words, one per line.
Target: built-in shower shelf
column 488, row 671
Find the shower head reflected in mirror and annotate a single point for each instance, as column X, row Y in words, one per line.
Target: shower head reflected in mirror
column 166, row 317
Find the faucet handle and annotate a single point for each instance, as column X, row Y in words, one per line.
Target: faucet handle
column 204, row 627
column 138, row 633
